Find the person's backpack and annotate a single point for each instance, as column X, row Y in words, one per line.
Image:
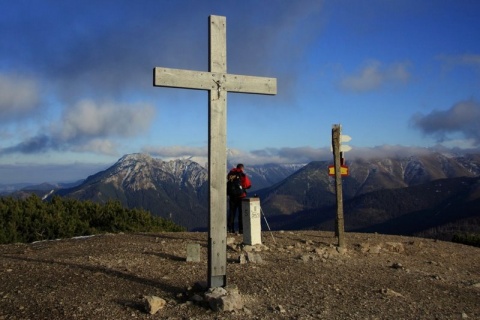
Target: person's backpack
column 234, row 185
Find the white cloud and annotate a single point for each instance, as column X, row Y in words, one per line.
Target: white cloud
column 296, row 155
column 89, row 127
column 465, row 144
column 176, row 151
column 91, row 119
column 99, row 146
column 374, row 75
column 268, row 155
column 366, row 79
column 462, row 118
column 385, row 151
column 398, row 72
column 450, row 61
column 19, row 95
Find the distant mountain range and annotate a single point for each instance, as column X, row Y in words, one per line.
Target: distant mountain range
column 311, row 187
column 424, row 194
column 431, row 195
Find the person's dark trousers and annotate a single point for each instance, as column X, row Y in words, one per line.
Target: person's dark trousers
column 235, row 205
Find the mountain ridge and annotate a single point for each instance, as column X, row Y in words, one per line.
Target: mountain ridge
column 178, row 189
column 437, row 209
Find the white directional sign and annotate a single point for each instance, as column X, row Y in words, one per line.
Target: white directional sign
column 345, row 148
column 343, row 138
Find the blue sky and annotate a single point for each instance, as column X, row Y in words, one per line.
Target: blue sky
column 76, row 80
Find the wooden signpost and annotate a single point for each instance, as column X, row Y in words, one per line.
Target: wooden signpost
column 338, row 170
column 217, row 82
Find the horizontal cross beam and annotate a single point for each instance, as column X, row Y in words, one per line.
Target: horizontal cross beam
column 188, row 79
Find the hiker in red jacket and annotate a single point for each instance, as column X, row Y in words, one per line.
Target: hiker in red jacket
column 237, row 185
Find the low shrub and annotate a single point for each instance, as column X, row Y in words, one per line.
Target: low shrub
column 32, row 219
column 470, row 239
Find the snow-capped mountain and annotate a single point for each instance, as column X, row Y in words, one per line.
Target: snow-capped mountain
column 176, row 189
column 141, row 172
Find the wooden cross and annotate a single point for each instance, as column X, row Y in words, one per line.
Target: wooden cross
column 218, row 82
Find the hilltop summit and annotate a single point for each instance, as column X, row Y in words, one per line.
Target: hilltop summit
column 301, row 275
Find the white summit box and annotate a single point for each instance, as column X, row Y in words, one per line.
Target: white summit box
column 252, row 227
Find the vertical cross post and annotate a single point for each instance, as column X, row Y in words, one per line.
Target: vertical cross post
column 218, row 83
column 217, row 156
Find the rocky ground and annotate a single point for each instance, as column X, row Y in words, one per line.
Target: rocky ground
column 295, row 275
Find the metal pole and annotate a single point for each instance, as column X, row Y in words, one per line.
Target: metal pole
column 265, row 218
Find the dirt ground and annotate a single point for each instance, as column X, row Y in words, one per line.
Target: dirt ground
column 301, row 276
